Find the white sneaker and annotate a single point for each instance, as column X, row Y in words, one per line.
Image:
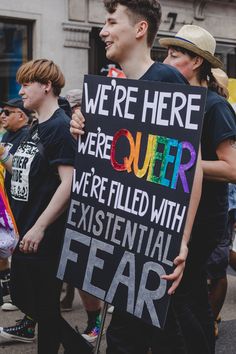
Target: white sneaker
column 8, row 306
column 111, row 309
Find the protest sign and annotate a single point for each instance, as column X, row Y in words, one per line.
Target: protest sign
column 131, row 189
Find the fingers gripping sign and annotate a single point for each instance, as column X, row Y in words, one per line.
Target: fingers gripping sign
column 77, row 124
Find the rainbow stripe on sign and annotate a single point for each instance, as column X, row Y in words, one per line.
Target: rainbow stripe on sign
column 170, row 158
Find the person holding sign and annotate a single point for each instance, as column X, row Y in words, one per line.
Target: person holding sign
column 41, row 171
column 129, row 32
column 191, row 51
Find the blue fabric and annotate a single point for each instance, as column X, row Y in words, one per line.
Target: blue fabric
column 232, row 196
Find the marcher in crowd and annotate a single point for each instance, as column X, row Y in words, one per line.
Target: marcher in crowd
column 219, row 259
column 129, row 31
column 192, row 51
column 15, row 123
column 40, row 188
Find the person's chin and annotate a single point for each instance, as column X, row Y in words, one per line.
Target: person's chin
column 110, row 53
column 27, row 105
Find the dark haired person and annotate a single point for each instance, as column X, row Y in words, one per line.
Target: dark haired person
column 40, row 188
column 192, row 51
column 15, row 120
column 129, row 32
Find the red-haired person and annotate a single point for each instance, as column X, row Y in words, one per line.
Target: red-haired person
column 41, row 170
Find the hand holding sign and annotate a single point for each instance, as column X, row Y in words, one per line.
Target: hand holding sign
column 77, row 123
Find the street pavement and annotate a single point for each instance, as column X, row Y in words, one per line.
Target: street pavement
column 226, row 344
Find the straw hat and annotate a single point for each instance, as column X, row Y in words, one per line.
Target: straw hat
column 197, row 40
column 222, row 80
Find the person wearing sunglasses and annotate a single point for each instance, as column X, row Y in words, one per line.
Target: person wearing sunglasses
column 14, row 119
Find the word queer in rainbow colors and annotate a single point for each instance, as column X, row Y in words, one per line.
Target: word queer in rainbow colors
column 153, row 156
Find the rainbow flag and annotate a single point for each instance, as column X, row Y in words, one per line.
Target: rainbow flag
column 8, row 230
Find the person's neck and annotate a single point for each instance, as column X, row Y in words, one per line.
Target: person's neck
column 46, row 109
column 136, row 66
column 195, row 82
column 18, row 127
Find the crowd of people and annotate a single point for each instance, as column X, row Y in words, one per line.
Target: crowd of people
column 38, row 149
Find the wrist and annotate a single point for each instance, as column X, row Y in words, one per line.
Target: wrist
column 40, row 226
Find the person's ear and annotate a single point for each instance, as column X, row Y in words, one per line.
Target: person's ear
column 47, row 86
column 141, row 29
column 197, row 62
column 22, row 116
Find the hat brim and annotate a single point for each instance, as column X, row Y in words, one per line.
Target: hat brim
column 25, row 110
column 169, row 42
column 2, row 104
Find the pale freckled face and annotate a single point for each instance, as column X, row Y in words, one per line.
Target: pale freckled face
column 182, row 62
column 118, row 33
column 33, row 94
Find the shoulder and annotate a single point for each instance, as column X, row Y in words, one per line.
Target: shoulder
column 213, row 98
column 57, row 125
column 215, row 102
column 164, row 73
column 56, row 130
column 60, row 118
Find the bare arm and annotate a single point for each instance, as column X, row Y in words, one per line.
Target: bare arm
column 224, row 169
column 54, row 209
column 180, row 260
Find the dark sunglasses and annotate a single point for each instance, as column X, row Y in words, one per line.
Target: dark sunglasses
column 7, row 112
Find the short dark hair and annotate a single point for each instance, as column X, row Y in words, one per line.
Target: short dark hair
column 150, row 10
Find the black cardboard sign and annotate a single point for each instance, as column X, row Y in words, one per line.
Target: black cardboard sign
column 131, row 189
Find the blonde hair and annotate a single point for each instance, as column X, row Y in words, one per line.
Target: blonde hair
column 42, row 71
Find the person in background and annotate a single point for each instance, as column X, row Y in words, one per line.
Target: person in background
column 15, row 119
column 192, row 51
column 128, row 33
column 91, row 304
column 41, row 168
column 64, row 104
column 219, row 259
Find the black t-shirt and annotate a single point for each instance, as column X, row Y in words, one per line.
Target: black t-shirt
column 11, row 140
column 164, row 73
column 35, row 180
column 219, row 124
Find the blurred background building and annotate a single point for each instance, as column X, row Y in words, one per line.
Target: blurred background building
column 67, row 31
